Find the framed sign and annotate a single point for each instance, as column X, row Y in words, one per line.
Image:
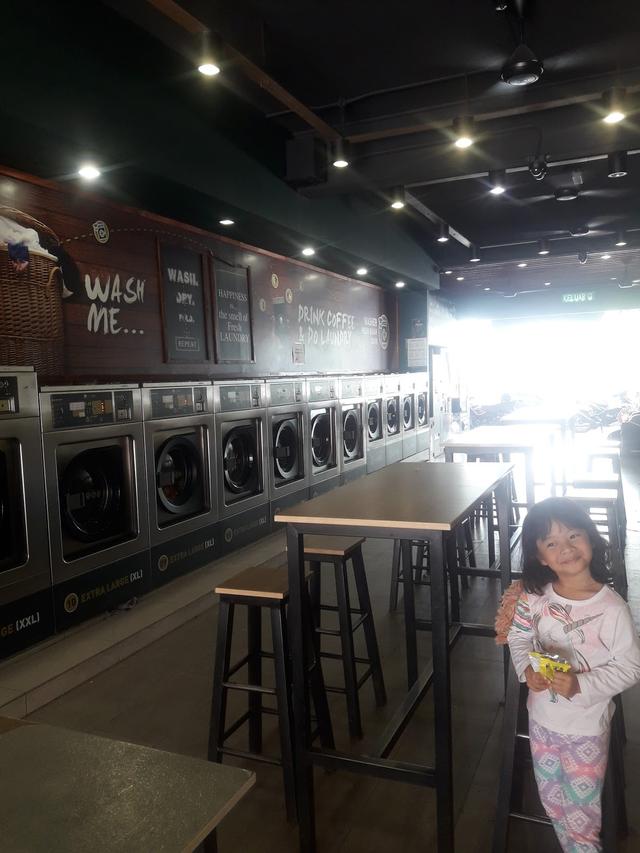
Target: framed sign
column 183, row 304
column 232, row 313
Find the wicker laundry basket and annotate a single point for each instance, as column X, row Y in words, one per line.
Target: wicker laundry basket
column 31, row 321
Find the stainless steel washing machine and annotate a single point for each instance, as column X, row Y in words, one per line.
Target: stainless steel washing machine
column 26, row 609
column 422, row 413
column 287, row 443
column 408, row 403
column 392, row 419
column 243, row 490
column 375, row 413
column 323, row 423
column 352, row 428
column 93, row 441
column 179, row 446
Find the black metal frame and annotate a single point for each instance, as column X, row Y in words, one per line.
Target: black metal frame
column 444, row 637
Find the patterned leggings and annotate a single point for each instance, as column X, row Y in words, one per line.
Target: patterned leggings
column 570, row 772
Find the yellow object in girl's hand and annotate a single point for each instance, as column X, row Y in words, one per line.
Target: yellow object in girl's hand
column 546, row 664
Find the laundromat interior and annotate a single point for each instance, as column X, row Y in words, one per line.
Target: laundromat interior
column 303, row 307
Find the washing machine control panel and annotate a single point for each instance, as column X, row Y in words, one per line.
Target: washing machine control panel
column 285, row 393
column 176, row 402
column 9, row 401
column 238, row 398
column 351, row 389
column 322, row 389
column 91, row 408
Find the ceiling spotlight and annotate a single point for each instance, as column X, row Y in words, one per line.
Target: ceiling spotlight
column 89, row 172
column 522, row 68
column 547, row 284
column 621, row 239
column 308, row 251
column 399, row 284
column 582, row 257
column 362, row 271
column 459, row 278
column 501, row 5
column 614, row 106
column 226, row 221
column 538, row 167
column 463, row 131
column 339, row 156
column 443, row 235
column 448, row 272
column 474, row 254
column 579, row 230
column 208, row 64
column 397, row 198
column 605, row 257
column 617, row 164
column 543, row 247
column 566, row 194
column 487, row 288
column 498, row 181
column 522, row 265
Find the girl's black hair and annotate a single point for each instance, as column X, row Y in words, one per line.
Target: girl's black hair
column 537, row 525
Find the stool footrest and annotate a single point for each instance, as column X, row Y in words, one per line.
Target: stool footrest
column 335, row 632
column 238, row 665
column 333, row 608
column 530, row 818
column 335, row 656
column 252, row 756
column 249, row 688
column 242, row 719
column 360, row 682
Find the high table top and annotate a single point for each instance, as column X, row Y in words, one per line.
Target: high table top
column 538, row 415
column 411, row 495
column 499, row 437
column 69, row 792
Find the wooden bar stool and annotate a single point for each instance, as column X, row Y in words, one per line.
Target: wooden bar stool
column 614, row 482
column 602, row 507
column 611, row 454
column 257, row 588
column 338, row 550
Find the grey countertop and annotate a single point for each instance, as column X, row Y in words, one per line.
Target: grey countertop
column 69, row 792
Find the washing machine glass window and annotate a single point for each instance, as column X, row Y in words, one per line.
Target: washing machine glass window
column 285, row 450
column 350, row 434
column 321, row 444
column 179, row 481
column 13, row 546
column 240, row 460
column 373, row 421
column 422, row 409
column 407, row 412
column 94, row 500
column 393, row 420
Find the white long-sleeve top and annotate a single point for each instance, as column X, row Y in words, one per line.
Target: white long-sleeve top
column 596, row 636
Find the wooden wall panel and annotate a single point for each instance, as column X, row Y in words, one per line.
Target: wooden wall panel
column 304, row 319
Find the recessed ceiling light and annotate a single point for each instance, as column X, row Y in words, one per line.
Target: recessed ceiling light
column 543, row 247
column 209, row 69
column 605, row 257
column 460, row 278
column 622, row 240
column 474, row 254
column 566, row 194
column 498, row 181
column 614, row 107
column 443, row 236
column 340, row 163
column 89, row 172
column 547, row 284
column 226, row 222
column 522, row 265
column 617, row 164
column 398, row 198
column 400, row 284
column 613, row 278
column 463, row 131
column 362, row 271
column 487, row 288
column 448, row 272
column 308, row 251
column 340, row 159
column 635, row 281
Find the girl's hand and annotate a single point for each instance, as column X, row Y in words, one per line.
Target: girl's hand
column 535, row 680
column 565, row 683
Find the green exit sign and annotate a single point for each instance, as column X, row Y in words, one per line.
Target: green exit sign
column 578, row 297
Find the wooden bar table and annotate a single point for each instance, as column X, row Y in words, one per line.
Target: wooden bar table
column 409, row 501
column 68, row 792
column 503, row 439
column 541, row 416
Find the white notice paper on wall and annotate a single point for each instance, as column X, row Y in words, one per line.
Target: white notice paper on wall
column 417, row 352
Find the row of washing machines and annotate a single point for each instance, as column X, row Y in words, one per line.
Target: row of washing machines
column 107, row 491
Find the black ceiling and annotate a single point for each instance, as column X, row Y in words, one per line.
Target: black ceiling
column 391, row 79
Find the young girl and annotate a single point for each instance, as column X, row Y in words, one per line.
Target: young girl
column 566, row 608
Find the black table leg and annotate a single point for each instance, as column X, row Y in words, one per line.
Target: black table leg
column 442, row 695
column 452, row 571
column 301, row 718
column 409, row 613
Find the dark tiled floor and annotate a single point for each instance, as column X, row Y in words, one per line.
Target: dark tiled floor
column 160, row 697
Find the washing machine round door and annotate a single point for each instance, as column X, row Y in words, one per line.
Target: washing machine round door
column 179, row 476
column 350, row 430
column 422, row 409
column 13, row 547
column 92, row 498
column 240, row 460
column 321, row 439
column 392, row 416
column 285, row 450
column 373, row 421
column 407, row 413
